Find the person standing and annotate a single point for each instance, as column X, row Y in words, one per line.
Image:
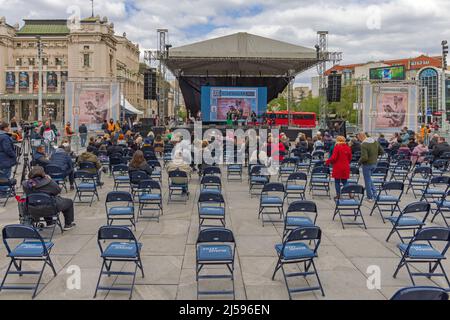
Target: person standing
column 83, row 131
column 7, row 152
column 370, row 151
column 340, row 159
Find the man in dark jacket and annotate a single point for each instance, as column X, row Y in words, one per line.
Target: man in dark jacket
column 83, row 131
column 370, row 151
column 40, row 183
column 61, row 159
column 7, row 152
column 440, row 148
column 40, row 158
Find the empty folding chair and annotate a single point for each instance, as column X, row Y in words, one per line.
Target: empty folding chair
column 150, row 155
column 440, row 167
column 401, row 171
column 287, row 167
column 157, row 170
column 349, row 205
column 379, row 176
column 215, row 247
column 436, row 189
column 419, row 180
column 57, row 174
column 318, row 155
column 150, row 199
column 388, row 199
column 428, row 246
column 271, row 201
column 411, row 218
column 442, row 208
column 120, row 206
column 234, row 171
column 178, row 186
column 7, row 190
column 116, row 159
column 211, row 184
column 118, row 244
column 120, row 176
column 211, row 171
column 296, row 250
column 85, row 187
column 422, row 293
column 304, row 162
column 320, row 180
column 135, row 178
column 296, row 186
column 258, row 178
column 211, row 206
column 299, row 214
column 25, row 244
column 354, row 175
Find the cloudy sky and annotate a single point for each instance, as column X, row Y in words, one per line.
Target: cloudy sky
column 362, row 29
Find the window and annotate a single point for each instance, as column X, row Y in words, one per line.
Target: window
column 86, row 47
column 86, row 58
column 31, row 61
column 19, row 62
column 111, row 60
column 45, row 61
column 430, row 80
column 58, row 61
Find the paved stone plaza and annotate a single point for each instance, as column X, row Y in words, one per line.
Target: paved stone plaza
column 169, row 252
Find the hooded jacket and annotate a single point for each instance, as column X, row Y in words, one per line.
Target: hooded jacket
column 61, row 159
column 370, row 151
column 89, row 157
column 7, row 152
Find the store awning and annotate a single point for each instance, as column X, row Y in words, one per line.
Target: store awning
column 129, row 107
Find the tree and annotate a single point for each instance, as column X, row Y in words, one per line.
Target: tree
column 344, row 108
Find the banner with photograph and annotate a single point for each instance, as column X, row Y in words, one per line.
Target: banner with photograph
column 391, row 110
column 35, row 82
column 52, row 81
column 92, row 103
column 10, row 80
column 24, row 80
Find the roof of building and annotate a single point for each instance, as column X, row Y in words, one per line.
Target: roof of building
column 44, row 27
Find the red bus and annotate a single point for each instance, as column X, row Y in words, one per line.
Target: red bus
column 298, row 119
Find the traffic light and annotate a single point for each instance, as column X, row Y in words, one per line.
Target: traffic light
column 444, row 54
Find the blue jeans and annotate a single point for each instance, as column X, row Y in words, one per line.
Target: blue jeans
column 5, row 173
column 339, row 184
column 83, row 139
column 367, row 173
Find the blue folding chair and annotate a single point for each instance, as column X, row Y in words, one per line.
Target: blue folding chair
column 211, row 184
column 436, row 189
column 320, row 180
column 401, row 171
column 422, row 293
column 150, row 199
column 258, row 178
column 120, row 206
column 299, row 214
column 234, row 170
column 304, row 162
column 354, row 175
column 350, row 200
column 178, row 186
column 388, row 199
column 295, row 250
column 118, row 244
column 419, row 180
column 135, row 178
column 439, row 167
column 215, row 247
column 271, row 201
column 157, row 170
column 296, row 185
column 57, row 174
column 412, row 218
column 211, row 206
column 211, row 171
column 91, row 167
column 287, row 167
column 379, row 177
column 317, row 156
column 30, row 248
column 7, row 190
column 121, row 177
column 85, row 186
column 424, row 248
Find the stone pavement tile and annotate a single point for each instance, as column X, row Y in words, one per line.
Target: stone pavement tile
column 254, row 228
column 275, row 291
column 368, row 247
column 346, row 285
column 146, row 292
column 163, row 245
column 70, row 244
column 257, row 270
column 331, row 258
column 257, row 246
column 172, row 227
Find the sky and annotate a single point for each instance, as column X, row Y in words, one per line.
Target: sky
column 364, row 30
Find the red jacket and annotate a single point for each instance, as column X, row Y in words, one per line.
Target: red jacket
column 340, row 159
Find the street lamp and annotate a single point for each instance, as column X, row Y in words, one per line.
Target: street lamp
column 444, row 44
column 40, row 52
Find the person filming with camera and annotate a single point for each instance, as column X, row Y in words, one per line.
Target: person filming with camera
column 7, row 153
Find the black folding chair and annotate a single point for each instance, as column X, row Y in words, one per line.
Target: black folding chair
column 299, row 214
column 388, row 199
column 271, row 201
column 118, row 244
column 287, row 167
column 57, row 174
column 234, row 170
column 211, row 184
column 157, row 170
column 119, row 206
column 423, row 293
column 29, row 246
column 92, row 168
column 296, row 185
column 135, row 178
column 436, row 189
column 211, row 171
column 258, row 178
column 412, row 218
column 150, row 199
column 120, row 176
column 215, row 247
column 178, row 186
column 443, row 209
column 7, row 190
column 211, row 206
column 85, row 186
column 294, row 250
column 424, row 248
column 419, row 180
column 320, row 180
column 41, row 208
column 401, row 171
column 350, row 200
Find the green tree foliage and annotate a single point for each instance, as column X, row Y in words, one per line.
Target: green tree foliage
column 344, row 109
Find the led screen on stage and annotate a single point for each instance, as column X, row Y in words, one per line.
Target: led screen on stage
column 218, row 101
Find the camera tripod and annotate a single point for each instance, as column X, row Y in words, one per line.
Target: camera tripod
column 26, row 151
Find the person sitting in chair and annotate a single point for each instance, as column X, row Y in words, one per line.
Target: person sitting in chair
column 39, row 182
column 40, row 158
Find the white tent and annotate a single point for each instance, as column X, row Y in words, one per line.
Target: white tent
column 129, row 107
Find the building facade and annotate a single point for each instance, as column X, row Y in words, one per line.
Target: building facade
column 88, row 52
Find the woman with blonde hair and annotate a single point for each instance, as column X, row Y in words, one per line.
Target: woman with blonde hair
column 340, row 159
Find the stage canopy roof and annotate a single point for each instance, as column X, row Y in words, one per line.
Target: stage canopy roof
column 240, row 54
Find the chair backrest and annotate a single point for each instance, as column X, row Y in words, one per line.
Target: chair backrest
column 115, row 233
column 211, row 180
column 215, row 235
column 119, row 196
column 393, row 185
column 403, row 165
column 380, row 171
column 432, row 234
column 424, row 171
column 273, row 187
column 417, row 207
column 256, row 170
column 305, row 234
column 211, row 170
column 383, row 164
column 423, row 293
column 289, row 161
column 354, row 171
column 149, row 185
column 53, row 170
column 302, row 206
column 440, row 180
column 320, row 171
column 87, row 165
column 154, row 163
column 211, row 197
column 137, row 176
column 122, row 168
column 354, row 189
column 445, row 156
column 297, row 176
column 178, row 174
column 84, row 175
column 19, row 231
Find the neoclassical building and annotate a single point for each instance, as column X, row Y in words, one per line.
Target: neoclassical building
column 89, row 51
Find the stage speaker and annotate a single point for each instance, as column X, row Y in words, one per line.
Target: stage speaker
column 150, row 84
column 148, row 122
column 334, row 88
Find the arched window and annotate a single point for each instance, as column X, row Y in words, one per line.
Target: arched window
column 429, row 79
